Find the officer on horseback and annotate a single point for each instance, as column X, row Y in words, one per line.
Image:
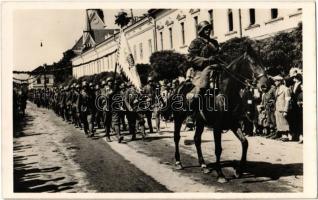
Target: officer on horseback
column 203, row 56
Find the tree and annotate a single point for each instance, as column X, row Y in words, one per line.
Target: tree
column 234, row 48
column 168, row 65
column 122, row 19
column 61, row 76
column 144, row 71
column 283, row 51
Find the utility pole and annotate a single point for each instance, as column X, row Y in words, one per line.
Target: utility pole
column 44, row 67
column 240, row 21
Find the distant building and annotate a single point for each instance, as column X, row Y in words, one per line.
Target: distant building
column 41, row 81
column 174, row 29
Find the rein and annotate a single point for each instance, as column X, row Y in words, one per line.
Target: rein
column 236, row 76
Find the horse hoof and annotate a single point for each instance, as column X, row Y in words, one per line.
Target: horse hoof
column 205, row 169
column 178, row 166
column 222, row 180
column 238, row 173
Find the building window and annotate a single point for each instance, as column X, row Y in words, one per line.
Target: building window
column 171, row 39
column 274, row 13
column 230, row 19
column 135, row 52
column 161, row 40
column 196, row 25
column 182, row 33
column 38, row 80
column 150, row 46
column 211, row 21
column 140, row 51
column 252, row 16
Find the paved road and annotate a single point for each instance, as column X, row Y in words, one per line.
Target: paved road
column 51, row 155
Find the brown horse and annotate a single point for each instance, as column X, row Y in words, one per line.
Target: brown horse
column 225, row 114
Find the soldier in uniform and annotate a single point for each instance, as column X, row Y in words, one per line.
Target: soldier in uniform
column 123, row 88
column 99, row 112
column 116, row 101
column 149, row 93
column 76, row 106
column 87, row 100
column 203, row 55
column 68, row 100
column 107, row 114
column 131, row 99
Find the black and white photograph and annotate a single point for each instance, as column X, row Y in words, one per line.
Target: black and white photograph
column 201, row 99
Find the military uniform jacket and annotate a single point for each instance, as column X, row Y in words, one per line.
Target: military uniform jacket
column 87, row 101
column 106, row 93
column 201, row 51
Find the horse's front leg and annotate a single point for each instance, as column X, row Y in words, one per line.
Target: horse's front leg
column 177, row 128
column 239, row 134
column 197, row 140
column 218, row 151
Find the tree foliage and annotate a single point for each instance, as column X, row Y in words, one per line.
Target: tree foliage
column 283, row 51
column 122, row 19
column 167, row 64
column 61, row 76
column 144, row 71
column 235, row 47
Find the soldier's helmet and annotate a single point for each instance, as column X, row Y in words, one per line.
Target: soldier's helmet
column 150, row 79
column 175, row 82
column 122, row 86
column 129, row 84
column 91, row 84
column 203, row 25
column 109, row 79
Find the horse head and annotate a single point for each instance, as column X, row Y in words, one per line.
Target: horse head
column 254, row 66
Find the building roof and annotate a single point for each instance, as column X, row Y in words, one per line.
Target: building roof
column 98, row 35
column 101, row 34
column 40, row 69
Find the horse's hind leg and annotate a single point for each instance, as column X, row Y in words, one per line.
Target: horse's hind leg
column 177, row 127
column 218, row 151
column 239, row 134
column 197, row 140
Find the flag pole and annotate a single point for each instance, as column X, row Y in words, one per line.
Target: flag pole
column 117, row 55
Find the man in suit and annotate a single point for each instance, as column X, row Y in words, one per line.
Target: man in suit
column 282, row 100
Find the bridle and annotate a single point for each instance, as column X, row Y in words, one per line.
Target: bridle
column 238, row 77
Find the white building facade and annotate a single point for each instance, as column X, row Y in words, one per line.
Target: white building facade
column 174, row 29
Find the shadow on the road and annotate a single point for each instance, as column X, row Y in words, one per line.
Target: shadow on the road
column 153, row 138
column 264, row 169
column 27, row 178
column 19, row 126
column 191, row 142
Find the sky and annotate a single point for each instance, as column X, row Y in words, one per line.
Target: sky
column 58, row 30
